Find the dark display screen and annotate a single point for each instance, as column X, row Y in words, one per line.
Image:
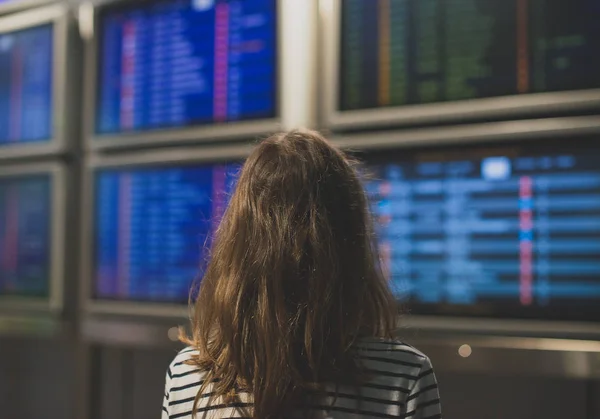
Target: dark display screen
column 176, row 63
column 403, row 52
column 26, row 85
column 151, row 227
column 25, row 213
column 500, row 232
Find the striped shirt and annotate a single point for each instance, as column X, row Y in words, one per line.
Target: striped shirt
column 402, row 384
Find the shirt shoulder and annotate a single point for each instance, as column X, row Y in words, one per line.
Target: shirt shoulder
column 393, row 363
column 182, row 361
column 390, row 348
column 183, row 379
column 403, row 370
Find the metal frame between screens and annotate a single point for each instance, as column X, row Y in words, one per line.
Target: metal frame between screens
column 58, row 15
column 140, row 160
column 508, row 131
column 15, row 5
column 507, row 106
column 147, row 138
column 54, row 302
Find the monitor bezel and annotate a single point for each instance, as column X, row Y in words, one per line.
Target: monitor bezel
column 471, row 134
column 171, row 135
column 54, row 302
column 143, row 159
column 529, row 105
column 58, row 16
column 12, row 6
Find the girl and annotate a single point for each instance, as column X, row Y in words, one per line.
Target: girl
column 294, row 317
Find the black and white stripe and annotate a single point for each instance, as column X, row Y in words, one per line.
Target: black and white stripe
column 401, row 384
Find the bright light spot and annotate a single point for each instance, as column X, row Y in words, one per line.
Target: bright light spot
column 173, row 334
column 202, row 5
column 465, row 351
column 496, row 168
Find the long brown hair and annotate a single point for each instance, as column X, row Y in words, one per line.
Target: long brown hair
column 293, row 279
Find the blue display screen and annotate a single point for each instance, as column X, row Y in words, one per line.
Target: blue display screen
column 168, row 64
column 507, row 232
column 26, row 85
column 152, row 226
column 499, row 232
column 25, row 213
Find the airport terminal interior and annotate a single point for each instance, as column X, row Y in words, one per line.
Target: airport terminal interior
column 123, row 125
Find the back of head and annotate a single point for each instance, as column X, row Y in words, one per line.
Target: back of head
column 293, row 280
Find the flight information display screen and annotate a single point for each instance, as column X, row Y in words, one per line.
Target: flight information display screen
column 176, row 63
column 505, row 232
column 26, row 85
column 25, row 213
column 152, row 226
column 405, row 52
column 510, row 232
